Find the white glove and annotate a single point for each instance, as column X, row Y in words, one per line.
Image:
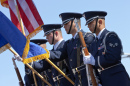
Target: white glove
column 18, row 57
column 89, row 59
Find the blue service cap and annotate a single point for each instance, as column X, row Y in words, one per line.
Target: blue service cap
column 66, row 17
column 39, row 41
column 50, row 27
column 91, row 15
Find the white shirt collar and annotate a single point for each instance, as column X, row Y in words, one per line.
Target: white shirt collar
column 100, row 33
column 75, row 35
column 56, row 45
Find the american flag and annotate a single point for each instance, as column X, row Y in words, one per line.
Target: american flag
column 28, row 12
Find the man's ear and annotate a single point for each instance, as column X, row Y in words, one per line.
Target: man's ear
column 56, row 33
column 100, row 21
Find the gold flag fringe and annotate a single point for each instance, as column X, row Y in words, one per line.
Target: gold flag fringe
column 26, row 49
column 35, row 58
column 4, row 3
column 32, row 34
column 5, row 47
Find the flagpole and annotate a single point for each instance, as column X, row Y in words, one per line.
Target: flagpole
column 32, row 69
column 19, row 18
column 59, row 71
column 34, row 78
column 38, row 74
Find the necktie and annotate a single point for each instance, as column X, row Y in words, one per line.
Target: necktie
column 96, row 39
column 72, row 39
column 96, row 45
column 96, row 42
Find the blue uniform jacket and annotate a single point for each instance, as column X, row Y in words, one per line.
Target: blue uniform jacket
column 70, row 51
column 107, row 53
column 63, row 81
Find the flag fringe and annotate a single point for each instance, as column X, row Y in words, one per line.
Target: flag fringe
column 4, row 3
column 32, row 34
column 26, row 49
column 35, row 58
column 2, row 49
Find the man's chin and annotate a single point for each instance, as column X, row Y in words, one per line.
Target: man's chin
column 91, row 30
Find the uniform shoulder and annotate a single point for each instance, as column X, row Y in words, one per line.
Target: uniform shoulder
column 88, row 34
column 89, row 37
column 109, row 35
column 111, row 40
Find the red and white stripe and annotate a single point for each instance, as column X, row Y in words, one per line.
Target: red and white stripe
column 29, row 15
column 13, row 14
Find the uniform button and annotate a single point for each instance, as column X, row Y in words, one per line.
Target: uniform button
column 70, row 59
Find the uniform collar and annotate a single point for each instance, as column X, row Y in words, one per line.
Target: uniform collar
column 100, row 33
column 57, row 44
column 75, row 36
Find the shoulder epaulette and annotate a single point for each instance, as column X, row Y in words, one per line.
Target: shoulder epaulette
column 87, row 33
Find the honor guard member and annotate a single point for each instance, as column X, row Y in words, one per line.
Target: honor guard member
column 72, row 48
column 54, row 36
column 106, row 51
column 29, row 81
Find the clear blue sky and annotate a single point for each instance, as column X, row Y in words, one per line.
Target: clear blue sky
column 118, row 20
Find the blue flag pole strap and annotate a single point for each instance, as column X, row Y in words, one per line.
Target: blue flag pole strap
column 38, row 57
column 5, row 47
column 32, row 34
column 26, row 49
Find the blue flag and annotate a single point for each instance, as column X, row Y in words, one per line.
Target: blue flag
column 27, row 50
column 3, row 44
column 12, row 35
